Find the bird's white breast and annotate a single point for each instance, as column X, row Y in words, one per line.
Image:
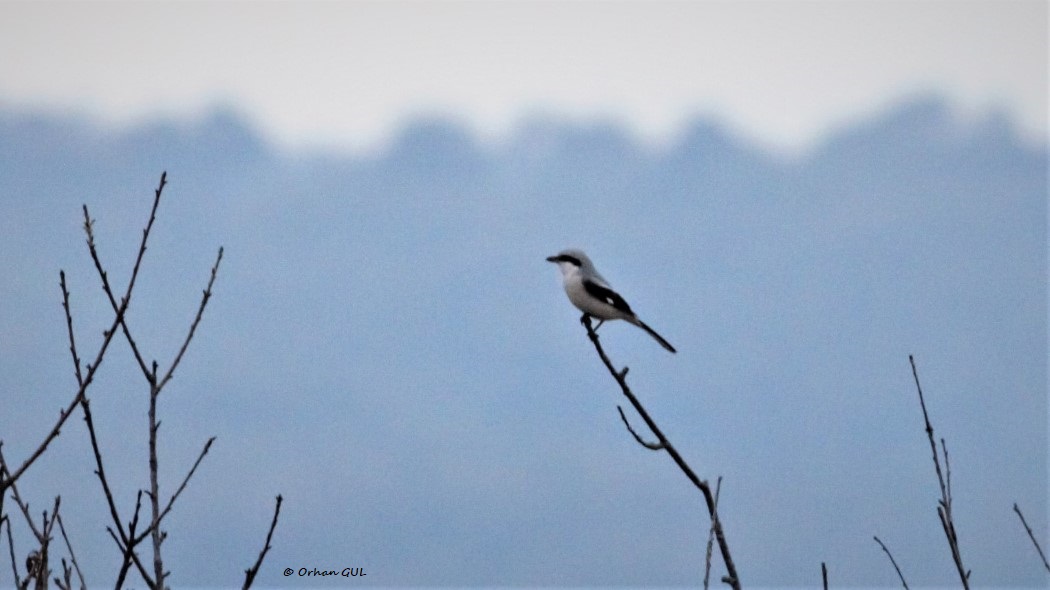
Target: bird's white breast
column 584, row 301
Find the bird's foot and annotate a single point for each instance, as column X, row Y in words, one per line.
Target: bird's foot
column 586, row 318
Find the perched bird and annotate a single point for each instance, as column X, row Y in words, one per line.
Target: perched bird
column 592, row 295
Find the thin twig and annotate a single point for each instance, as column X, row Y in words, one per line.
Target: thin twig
column 69, row 547
column 193, row 327
column 171, row 500
column 135, row 559
column 22, row 505
column 100, row 470
column 944, row 510
column 731, row 578
column 1030, row 536
column 130, row 556
column 894, row 562
column 126, row 542
column 710, row 533
column 250, row 573
column 66, row 581
column 929, row 428
column 38, row 557
column 69, row 327
column 47, row 525
column 947, row 473
column 129, row 548
column 653, row 446
column 11, row 546
column 154, row 484
column 824, row 574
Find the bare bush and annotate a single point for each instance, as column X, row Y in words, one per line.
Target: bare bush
column 128, row 535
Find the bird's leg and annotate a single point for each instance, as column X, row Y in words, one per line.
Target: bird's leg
column 586, row 318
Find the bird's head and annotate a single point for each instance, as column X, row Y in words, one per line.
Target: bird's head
column 570, row 259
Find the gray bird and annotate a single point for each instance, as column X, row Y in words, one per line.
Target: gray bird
column 592, row 295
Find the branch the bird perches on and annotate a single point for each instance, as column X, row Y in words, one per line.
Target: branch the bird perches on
column 662, row 444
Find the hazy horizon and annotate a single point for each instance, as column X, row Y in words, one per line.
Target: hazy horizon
column 350, row 73
column 358, row 355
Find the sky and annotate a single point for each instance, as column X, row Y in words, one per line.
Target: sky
column 349, row 73
column 805, row 293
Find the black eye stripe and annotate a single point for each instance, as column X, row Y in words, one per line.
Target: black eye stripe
column 572, row 259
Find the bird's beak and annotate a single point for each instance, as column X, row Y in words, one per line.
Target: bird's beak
column 552, row 259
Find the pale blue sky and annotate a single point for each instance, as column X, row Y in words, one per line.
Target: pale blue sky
column 388, row 349
column 359, row 357
column 347, row 73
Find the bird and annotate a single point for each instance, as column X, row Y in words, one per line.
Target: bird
column 592, row 295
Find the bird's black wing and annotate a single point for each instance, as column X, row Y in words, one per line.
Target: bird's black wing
column 603, row 293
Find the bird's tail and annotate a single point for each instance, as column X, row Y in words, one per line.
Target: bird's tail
column 653, row 333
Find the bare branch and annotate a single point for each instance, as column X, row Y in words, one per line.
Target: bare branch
column 11, row 547
column 126, row 538
column 249, row 574
column 944, row 510
column 85, row 406
column 154, row 493
column 193, row 327
column 72, row 556
column 66, row 581
column 128, row 549
column 894, row 562
column 69, row 327
column 128, row 541
column 23, row 506
column 947, row 475
column 100, row 469
column 731, row 578
column 88, row 227
column 710, row 535
column 154, row 528
column 119, row 312
column 135, row 269
column 37, row 564
column 6, row 482
column 824, row 574
column 124, row 542
column 171, row 501
column 652, row 446
column 929, row 428
column 1030, row 536
column 134, row 558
